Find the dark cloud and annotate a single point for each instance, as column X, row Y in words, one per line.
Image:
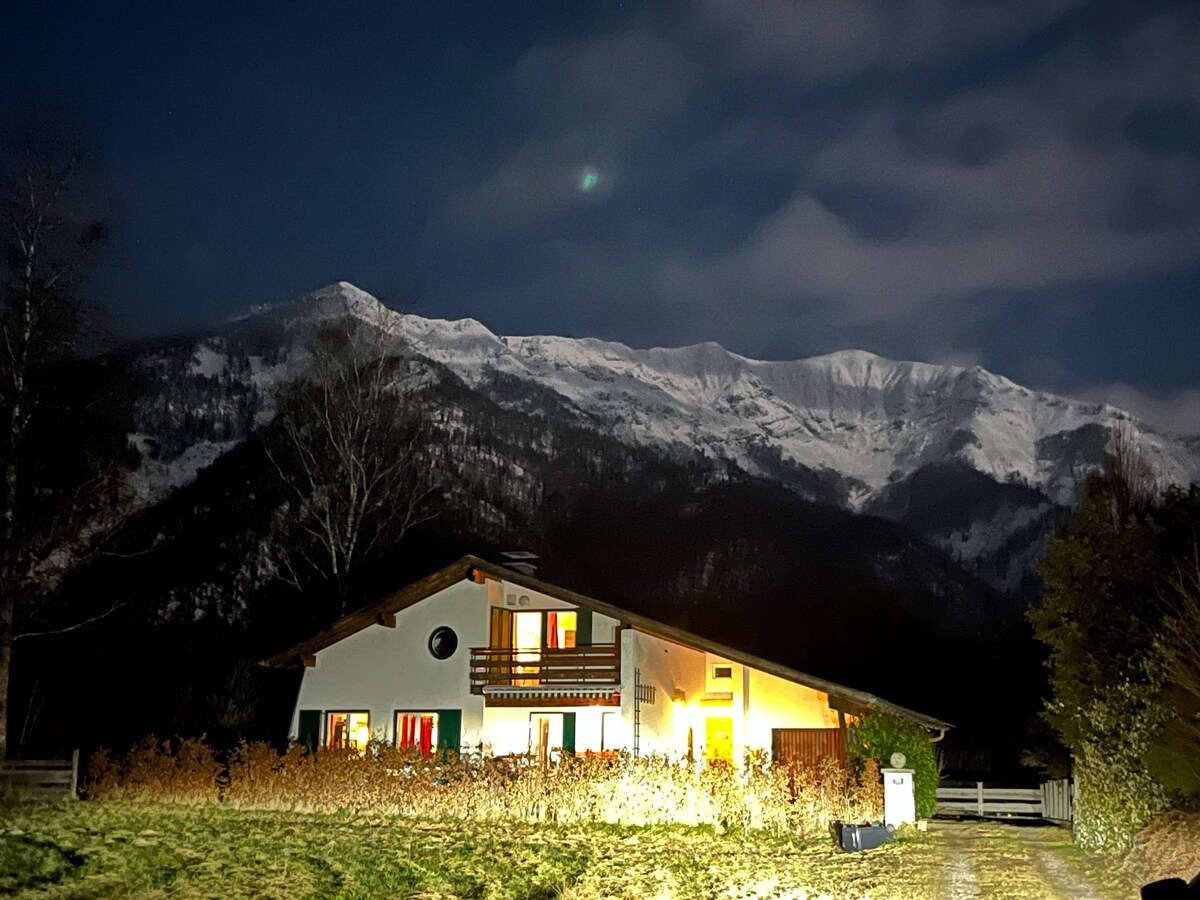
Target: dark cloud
column 894, row 215
column 927, row 179
column 1164, row 129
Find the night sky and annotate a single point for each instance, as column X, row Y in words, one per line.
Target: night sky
column 1014, row 184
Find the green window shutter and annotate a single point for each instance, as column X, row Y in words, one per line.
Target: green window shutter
column 568, row 732
column 583, row 628
column 309, row 731
column 449, row 729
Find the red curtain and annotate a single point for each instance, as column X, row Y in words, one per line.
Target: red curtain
column 426, row 735
column 416, row 730
column 552, row 629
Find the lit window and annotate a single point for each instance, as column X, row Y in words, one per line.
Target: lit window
column 417, row 729
column 348, row 729
column 722, row 671
column 560, row 629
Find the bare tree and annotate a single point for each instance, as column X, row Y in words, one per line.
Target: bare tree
column 348, row 444
column 51, row 516
column 1129, row 476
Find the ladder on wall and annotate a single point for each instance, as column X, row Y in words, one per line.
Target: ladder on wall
column 642, row 693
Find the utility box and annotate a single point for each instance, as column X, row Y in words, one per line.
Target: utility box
column 899, row 801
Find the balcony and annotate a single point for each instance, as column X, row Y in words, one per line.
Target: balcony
column 574, row 676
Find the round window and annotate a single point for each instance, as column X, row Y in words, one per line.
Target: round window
column 443, row 642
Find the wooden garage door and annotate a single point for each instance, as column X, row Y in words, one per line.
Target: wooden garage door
column 807, row 746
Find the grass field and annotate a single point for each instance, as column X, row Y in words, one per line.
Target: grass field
column 127, row 849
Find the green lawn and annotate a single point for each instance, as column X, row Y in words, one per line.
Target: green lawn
column 125, row 849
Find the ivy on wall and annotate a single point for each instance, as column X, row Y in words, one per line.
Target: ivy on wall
column 878, row 735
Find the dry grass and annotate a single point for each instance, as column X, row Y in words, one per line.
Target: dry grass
column 180, row 772
column 388, row 781
column 101, row 849
column 1169, row 847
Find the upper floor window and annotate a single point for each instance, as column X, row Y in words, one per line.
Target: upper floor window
column 722, row 671
column 560, row 628
column 533, row 630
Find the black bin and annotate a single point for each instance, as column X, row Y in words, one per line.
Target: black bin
column 863, row 837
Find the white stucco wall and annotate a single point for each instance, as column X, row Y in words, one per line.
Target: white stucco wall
column 756, row 701
column 385, row 669
column 667, row 667
column 776, row 703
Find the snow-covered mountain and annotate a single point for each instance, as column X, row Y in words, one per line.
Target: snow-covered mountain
column 965, row 456
column 870, row 420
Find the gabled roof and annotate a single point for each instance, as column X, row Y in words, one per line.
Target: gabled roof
column 464, row 569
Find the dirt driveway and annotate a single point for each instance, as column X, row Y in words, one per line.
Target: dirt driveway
column 991, row 859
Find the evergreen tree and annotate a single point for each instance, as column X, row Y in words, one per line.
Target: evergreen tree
column 1101, row 616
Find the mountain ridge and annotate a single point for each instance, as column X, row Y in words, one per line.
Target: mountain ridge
column 849, row 428
column 866, row 417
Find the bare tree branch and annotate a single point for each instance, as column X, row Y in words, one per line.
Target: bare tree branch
column 349, row 448
column 67, row 629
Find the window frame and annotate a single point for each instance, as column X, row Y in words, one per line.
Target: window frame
column 437, row 723
column 327, row 729
column 441, row 629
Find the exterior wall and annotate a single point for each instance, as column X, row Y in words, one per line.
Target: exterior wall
column 734, row 687
column 776, row 703
column 754, row 700
column 668, row 667
column 384, row 669
column 532, row 599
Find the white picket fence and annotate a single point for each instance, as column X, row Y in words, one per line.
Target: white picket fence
column 1053, row 801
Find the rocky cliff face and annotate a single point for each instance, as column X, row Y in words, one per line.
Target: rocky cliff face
column 976, row 463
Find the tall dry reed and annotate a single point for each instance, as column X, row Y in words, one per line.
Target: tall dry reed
column 620, row 790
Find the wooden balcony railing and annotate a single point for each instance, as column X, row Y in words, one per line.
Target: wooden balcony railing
column 567, row 667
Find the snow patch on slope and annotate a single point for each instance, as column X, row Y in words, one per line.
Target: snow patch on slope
column 868, row 419
column 852, row 412
column 155, row 478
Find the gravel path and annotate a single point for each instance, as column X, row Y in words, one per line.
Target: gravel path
column 993, row 859
column 957, row 871
column 1065, row 880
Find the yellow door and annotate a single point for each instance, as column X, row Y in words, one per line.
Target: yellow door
column 718, row 738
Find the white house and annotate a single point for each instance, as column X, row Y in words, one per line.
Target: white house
column 479, row 655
